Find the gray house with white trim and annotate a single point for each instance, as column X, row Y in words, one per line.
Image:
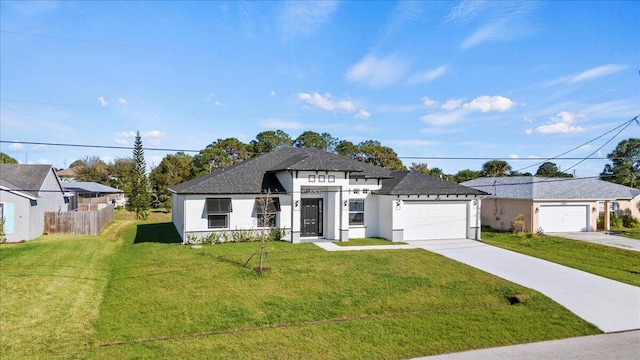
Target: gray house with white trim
column 318, row 195
column 26, row 193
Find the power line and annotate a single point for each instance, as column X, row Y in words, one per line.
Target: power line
column 250, row 153
column 496, row 184
column 623, row 125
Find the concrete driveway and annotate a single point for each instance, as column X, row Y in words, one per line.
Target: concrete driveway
column 610, row 305
column 618, row 346
column 601, row 238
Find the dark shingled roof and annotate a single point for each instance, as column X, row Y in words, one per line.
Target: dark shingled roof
column 24, row 178
column 257, row 175
column 415, row 183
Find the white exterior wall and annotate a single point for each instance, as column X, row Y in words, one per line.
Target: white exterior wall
column 361, row 189
column 386, row 216
column 334, row 193
column 242, row 217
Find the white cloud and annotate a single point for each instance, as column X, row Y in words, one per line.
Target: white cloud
column 444, row 118
column 153, row 137
column 102, row 101
column 451, row 104
column 326, row 102
column 500, row 20
column 304, row 18
column 528, row 131
column 120, row 141
column 428, row 102
column 16, row 147
column 561, row 124
column 122, row 101
column 363, row 114
column 377, row 72
column 490, row 103
column 598, row 72
column 126, row 134
column 272, row 93
column 217, row 103
column 430, row 75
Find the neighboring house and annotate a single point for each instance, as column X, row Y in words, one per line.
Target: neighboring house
column 552, row 204
column 26, row 193
column 67, row 174
column 86, row 196
column 318, row 195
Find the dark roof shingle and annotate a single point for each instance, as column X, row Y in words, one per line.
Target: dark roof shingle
column 415, row 183
column 24, row 177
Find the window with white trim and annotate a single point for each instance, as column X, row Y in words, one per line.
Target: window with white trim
column 356, row 212
column 218, row 210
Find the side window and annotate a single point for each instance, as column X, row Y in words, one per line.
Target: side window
column 356, row 212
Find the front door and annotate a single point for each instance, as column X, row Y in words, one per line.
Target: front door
column 311, row 217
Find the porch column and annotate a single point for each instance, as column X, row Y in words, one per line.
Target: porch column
column 344, row 214
column 607, row 216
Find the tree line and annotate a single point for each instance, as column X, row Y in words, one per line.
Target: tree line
column 179, row 167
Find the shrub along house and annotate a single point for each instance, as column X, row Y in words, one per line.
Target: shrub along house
column 318, row 195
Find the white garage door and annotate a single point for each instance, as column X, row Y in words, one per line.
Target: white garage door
column 429, row 220
column 563, row 218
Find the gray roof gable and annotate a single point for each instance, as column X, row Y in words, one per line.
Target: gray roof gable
column 257, row 175
column 23, row 177
column 415, row 183
column 539, row 188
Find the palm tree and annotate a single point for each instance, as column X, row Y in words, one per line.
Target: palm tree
column 495, row 168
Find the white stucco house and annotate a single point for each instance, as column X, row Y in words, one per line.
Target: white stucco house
column 26, row 193
column 318, row 195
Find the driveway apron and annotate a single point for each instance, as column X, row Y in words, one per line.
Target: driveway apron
column 610, row 305
column 601, row 238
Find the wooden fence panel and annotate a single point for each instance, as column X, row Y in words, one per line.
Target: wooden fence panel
column 77, row 222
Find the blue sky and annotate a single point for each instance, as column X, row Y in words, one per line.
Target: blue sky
column 485, row 79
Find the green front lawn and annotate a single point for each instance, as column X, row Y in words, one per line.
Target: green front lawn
column 613, row 263
column 633, row 233
column 134, row 292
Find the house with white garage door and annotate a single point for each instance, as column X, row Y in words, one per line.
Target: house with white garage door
column 552, row 204
column 315, row 195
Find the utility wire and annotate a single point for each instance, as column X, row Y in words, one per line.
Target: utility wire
column 251, row 153
column 623, row 125
column 495, row 184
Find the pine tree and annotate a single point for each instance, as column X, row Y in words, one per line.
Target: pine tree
column 139, row 195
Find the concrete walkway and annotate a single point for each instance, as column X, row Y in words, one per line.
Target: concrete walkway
column 602, row 238
column 610, row 305
column 617, row 346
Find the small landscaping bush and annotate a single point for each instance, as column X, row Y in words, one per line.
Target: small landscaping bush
column 237, row 236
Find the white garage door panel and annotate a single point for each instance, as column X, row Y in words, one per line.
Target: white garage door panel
column 563, row 218
column 434, row 220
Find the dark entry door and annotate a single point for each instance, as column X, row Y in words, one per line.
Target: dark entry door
column 311, row 217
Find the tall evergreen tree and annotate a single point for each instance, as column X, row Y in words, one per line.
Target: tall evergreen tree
column 139, row 195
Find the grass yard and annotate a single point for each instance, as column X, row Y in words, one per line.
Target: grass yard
column 367, row 242
column 633, row 233
column 134, row 292
column 613, row 263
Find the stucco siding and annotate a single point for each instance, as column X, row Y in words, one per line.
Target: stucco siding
column 17, row 226
column 501, row 213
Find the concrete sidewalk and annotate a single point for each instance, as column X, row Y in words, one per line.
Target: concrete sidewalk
column 610, row 305
column 617, row 346
column 598, row 237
